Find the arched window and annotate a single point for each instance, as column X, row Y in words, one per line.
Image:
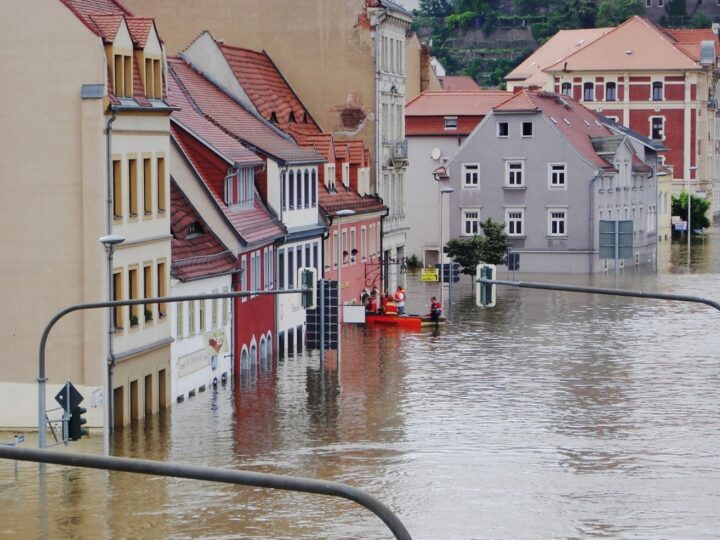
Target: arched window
column 253, row 354
column 307, row 188
column 291, row 190
column 298, row 192
column 313, row 189
column 588, row 91
column 611, row 91
column 657, row 91
column 566, row 88
column 244, row 362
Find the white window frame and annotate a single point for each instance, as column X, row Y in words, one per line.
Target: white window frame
column 592, row 87
column 652, row 90
column 551, row 174
column 509, row 169
column 650, row 130
column 606, row 92
column 467, row 170
column 451, row 123
column 466, row 220
column 566, row 85
column 522, row 129
column 515, row 220
column 507, row 131
column 560, row 220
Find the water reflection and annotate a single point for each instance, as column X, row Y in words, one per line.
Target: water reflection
column 553, row 415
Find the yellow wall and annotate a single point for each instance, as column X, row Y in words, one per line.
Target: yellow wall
column 51, row 209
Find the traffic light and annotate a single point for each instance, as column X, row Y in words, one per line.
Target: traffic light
column 77, row 422
column 307, row 278
column 485, row 293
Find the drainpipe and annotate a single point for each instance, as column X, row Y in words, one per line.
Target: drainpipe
column 276, row 300
column 383, row 274
column 111, row 329
column 592, row 213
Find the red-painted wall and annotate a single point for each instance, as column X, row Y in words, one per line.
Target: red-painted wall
column 674, row 133
column 435, row 125
column 254, row 317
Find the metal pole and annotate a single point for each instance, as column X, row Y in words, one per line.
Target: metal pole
column 440, row 250
column 689, row 226
column 339, row 300
column 107, row 410
column 212, row 474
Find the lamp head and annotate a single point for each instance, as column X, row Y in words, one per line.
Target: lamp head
column 111, row 240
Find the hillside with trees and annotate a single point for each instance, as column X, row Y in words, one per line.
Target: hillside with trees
column 486, row 39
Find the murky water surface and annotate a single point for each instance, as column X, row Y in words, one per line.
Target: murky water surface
column 553, row 415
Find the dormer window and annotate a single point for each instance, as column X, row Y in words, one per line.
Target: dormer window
column 153, row 78
column 194, row 230
column 123, row 77
column 330, row 176
column 451, row 123
column 291, row 118
column 273, row 118
column 240, row 188
column 346, row 174
column 305, row 119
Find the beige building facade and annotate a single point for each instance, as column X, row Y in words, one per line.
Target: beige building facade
column 56, row 101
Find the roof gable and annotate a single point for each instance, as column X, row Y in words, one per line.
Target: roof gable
column 637, row 44
column 474, row 103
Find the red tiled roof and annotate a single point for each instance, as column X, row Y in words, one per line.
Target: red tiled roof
column 193, row 120
column 577, row 123
column 476, row 103
column 322, row 143
column 253, row 224
column 341, row 151
column 332, row 201
column 194, row 255
column 227, row 113
column 358, row 153
column 108, row 25
column 454, row 83
column 139, row 28
column 83, row 9
column 268, row 89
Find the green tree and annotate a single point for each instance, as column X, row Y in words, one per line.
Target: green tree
column 489, row 248
column 614, row 12
column 699, row 208
column 435, row 8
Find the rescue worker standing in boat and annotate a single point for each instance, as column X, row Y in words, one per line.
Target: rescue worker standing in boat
column 391, row 307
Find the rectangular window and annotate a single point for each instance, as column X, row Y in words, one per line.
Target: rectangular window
column 470, row 225
column 557, row 174
column 527, row 129
column 118, row 311
column 157, row 73
column 306, row 190
column 502, row 129
column 161, row 182
column 191, row 317
column 656, row 128
column 161, row 288
column 648, row 3
column 291, row 191
column 291, row 268
column 133, row 187
column 363, row 243
column 313, row 187
column 515, row 221
column 148, row 285
column 471, row 175
column 611, row 91
column 343, row 255
column 239, row 188
column 133, row 290
column 149, row 78
column 147, row 186
column 243, row 277
column 514, row 173
column 281, row 269
column 588, row 91
column 557, row 220
column 119, row 81
column 566, row 89
column 353, row 244
column 127, row 75
column 298, row 192
column 336, row 249
column 201, row 313
column 315, row 258
column 117, row 189
column 450, row 122
column 179, row 319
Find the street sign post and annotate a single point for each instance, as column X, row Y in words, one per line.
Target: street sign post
column 69, row 397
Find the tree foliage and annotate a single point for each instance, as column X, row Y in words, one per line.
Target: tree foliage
column 471, row 251
column 614, row 12
column 699, row 208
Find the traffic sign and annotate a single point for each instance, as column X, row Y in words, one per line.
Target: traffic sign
column 69, row 392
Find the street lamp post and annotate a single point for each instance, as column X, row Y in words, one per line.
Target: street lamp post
column 692, row 169
column 109, row 241
column 340, row 213
column 441, row 254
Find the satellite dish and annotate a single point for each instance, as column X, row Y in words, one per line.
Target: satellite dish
column 435, row 154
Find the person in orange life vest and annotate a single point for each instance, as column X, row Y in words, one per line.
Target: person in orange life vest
column 390, row 305
column 400, row 300
column 435, row 309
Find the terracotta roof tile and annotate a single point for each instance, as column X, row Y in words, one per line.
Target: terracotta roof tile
column 359, row 155
column 477, row 103
column 193, row 120
column 558, row 47
column 268, row 89
column 322, row 143
column 232, row 117
column 83, row 9
column 637, row 44
column 254, row 224
column 139, row 28
column 455, row 83
column 194, row 255
column 332, row 201
column 108, row 25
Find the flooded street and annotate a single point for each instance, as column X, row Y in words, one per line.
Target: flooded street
column 552, row 415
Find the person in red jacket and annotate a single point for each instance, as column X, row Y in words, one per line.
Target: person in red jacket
column 435, row 309
column 390, row 305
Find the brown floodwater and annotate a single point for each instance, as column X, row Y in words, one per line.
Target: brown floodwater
column 552, row 415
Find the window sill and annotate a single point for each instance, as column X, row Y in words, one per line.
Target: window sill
column 471, row 186
column 517, row 236
column 514, row 188
column 557, row 237
column 563, row 187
